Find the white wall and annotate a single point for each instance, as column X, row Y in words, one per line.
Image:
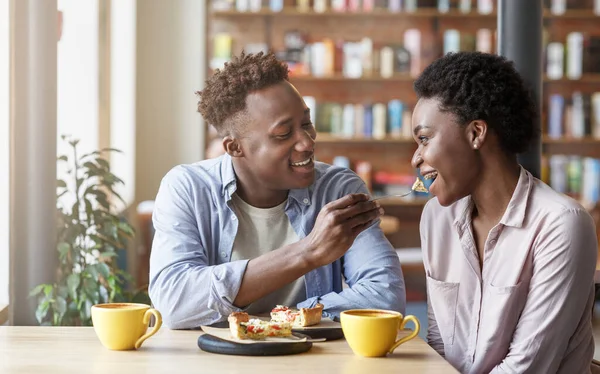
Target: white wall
column 170, row 68
column 4, row 147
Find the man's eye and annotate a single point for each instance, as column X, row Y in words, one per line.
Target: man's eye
column 423, row 139
column 308, row 124
column 284, row 136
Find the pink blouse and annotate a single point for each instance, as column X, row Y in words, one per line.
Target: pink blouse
column 530, row 310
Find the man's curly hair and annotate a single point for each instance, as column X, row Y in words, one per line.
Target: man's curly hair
column 224, row 97
column 481, row 86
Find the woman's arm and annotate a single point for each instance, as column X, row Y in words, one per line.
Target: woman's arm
column 560, row 291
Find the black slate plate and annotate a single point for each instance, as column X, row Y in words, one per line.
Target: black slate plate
column 327, row 333
column 213, row 344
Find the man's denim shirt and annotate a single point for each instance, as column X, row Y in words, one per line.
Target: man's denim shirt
column 193, row 282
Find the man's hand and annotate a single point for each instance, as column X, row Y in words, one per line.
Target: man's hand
column 337, row 225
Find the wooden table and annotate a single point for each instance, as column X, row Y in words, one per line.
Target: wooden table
column 77, row 350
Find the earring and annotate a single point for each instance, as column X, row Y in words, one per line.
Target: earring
column 475, row 146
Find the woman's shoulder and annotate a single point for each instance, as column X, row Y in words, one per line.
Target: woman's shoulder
column 546, row 201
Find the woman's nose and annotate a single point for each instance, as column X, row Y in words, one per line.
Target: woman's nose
column 416, row 159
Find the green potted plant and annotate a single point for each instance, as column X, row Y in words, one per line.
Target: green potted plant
column 89, row 236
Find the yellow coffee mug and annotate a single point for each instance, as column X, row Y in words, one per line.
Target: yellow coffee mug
column 373, row 332
column 123, row 326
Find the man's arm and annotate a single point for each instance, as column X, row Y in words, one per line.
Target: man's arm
column 564, row 265
column 336, row 228
column 371, row 269
column 189, row 292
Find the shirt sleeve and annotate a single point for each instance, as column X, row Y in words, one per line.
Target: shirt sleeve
column 559, row 293
column 183, row 286
column 372, row 271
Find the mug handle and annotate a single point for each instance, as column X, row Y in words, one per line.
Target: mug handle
column 412, row 334
column 146, row 320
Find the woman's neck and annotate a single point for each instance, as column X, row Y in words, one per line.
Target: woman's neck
column 497, row 183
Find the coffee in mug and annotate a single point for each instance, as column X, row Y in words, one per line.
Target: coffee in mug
column 123, row 326
column 373, row 332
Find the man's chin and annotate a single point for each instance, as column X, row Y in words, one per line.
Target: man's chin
column 305, row 181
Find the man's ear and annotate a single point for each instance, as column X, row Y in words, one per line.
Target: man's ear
column 232, row 146
column 477, row 133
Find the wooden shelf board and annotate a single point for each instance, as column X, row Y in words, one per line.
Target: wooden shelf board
column 325, row 138
column 406, row 78
column 567, row 141
column 290, row 11
column 329, row 138
column 585, row 78
column 572, row 14
column 419, row 13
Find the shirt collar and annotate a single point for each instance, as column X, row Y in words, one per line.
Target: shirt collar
column 515, row 211
column 517, row 206
column 227, row 176
column 302, row 195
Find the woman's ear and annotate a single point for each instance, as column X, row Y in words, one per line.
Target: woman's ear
column 477, row 133
column 232, row 146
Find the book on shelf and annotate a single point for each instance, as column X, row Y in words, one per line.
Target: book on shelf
column 578, row 55
column 367, row 120
column 576, row 176
column 574, row 116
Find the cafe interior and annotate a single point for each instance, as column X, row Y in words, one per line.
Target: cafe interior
column 98, row 103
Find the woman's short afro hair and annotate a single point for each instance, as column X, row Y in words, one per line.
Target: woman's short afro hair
column 224, row 96
column 482, row 86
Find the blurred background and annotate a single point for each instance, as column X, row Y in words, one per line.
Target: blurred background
column 86, row 75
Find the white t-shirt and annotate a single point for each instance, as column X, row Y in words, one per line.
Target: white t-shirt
column 260, row 231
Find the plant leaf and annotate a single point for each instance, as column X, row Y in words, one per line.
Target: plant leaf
column 73, row 281
column 63, row 249
column 61, row 183
column 90, row 286
column 42, row 311
column 126, row 228
column 103, row 269
column 37, row 289
column 60, row 306
column 103, row 163
column 48, row 288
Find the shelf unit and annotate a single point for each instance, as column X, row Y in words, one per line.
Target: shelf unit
column 393, row 154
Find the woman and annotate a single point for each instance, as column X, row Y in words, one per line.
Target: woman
column 510, row 262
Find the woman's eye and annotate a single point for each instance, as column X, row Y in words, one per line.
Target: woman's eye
column 423, row 139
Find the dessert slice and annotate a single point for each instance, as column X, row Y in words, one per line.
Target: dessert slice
column 419, row 186
column 298, row 318
column 242, row 327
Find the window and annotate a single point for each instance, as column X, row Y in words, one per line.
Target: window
column 78, row 87
column 4, row 150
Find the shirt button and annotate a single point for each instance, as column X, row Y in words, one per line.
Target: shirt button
column 305, row 201
column 233, row 218
column 223, row 254
column 493, row 241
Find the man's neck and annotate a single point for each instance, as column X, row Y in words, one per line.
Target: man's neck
column 254, row 193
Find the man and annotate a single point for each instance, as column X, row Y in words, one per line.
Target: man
column 265, row 224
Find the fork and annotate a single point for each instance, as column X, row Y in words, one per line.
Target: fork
column 388, row 196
